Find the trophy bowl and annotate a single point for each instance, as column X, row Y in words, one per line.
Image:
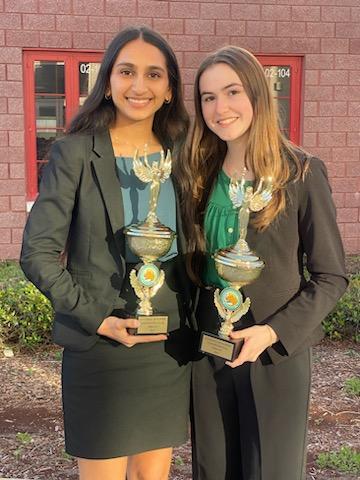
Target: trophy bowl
column 149, row 242
column 238, row 267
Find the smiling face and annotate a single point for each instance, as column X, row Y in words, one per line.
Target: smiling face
column 225, row 106
column 139, row 82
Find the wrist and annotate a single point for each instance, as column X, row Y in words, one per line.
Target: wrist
column 105, row 326
column 272, row 335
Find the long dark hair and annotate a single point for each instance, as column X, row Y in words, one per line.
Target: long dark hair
column 171, row 121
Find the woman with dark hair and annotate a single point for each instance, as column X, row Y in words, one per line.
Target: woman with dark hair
column 250, row 415
column 124, row 408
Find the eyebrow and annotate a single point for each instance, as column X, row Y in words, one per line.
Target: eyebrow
column 132, row 65
column 224, row 88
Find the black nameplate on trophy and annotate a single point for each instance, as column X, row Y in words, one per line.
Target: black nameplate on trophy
column 216, row 346
column 152, row 325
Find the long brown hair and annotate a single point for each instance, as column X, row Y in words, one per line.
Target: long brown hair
column 267, row 153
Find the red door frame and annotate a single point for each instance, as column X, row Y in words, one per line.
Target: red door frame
column 71, row 60
column 295, row 63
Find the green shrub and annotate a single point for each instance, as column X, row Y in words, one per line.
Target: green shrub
column 352, row 264
column 10, row 272
column 25, row 315
column 346, row 460
column 344, row 321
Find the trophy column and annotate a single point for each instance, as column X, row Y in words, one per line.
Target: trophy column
column 239, row 266
column 150, row 240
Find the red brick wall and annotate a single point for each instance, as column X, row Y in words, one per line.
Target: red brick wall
column 327, row 35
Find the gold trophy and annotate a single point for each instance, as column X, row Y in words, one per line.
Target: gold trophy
column 150, row 240
column 239, row 266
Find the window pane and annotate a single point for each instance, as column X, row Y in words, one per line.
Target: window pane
column 283, row 105
column 88, row 72
column 49, row 77
column 50, row 122
column 50, row 112
column 279, row 79
column 44, row 139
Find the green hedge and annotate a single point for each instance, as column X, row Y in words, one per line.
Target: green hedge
column 344, row 320
column 25, row 316
column 10, row 272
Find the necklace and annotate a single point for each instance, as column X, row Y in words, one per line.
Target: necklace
column 234, row 173
column 125, row 147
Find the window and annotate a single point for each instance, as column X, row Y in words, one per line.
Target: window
column 56, row 84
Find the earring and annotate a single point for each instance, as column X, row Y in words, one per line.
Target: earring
column 167, row 101
column 107, row 97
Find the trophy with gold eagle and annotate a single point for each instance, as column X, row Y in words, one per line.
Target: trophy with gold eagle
column 239, row 266
column 150, row 240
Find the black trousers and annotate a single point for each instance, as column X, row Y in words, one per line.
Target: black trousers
column 225, row 434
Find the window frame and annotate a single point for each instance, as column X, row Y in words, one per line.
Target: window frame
column 296, row 90
column 71, row 59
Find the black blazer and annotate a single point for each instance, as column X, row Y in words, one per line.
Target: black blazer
column 282, row 296
column 80, row 207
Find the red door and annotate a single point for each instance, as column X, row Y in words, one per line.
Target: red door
column 56, row 84
column 284, row 77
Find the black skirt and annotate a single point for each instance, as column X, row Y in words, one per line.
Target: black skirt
column 120, row 401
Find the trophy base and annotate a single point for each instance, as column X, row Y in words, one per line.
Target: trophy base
column 151, row 325
column 221, row 347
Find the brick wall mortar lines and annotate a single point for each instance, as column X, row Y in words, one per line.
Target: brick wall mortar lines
column 5, row 236
column 325, row 32
column 21, row 6
column 4, row 204
column 16, row 235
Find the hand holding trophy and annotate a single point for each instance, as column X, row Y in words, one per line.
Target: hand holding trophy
column 239, row 266
column 150, row 240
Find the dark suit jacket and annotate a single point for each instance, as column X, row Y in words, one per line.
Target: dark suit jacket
column 294, row 306
column 79, row 207
column 281, row 296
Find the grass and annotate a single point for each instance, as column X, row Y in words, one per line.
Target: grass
column 352, row 386
column 66, row 456
column 24, row 438
column 346, row 460
column 178, row 461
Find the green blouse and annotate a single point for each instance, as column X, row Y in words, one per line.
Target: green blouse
column 220, row 225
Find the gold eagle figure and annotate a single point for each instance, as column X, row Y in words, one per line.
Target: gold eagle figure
column 158, row 171
column 229, row 316
column 145, row 293
column 262, row 196
column 155, row 174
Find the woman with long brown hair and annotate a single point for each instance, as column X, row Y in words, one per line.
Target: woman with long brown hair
column 250, row 414
column 124, row 408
